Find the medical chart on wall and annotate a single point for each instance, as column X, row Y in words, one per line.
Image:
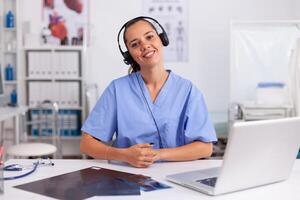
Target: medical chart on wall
column 173, row 16
column 64, row 22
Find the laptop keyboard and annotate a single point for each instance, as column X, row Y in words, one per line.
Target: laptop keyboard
column 208, row 181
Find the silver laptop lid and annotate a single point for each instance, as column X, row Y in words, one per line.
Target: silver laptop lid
column 258, row 153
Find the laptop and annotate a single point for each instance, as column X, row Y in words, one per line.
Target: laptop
column 257, row 153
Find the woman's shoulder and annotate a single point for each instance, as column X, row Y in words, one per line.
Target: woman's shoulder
column 122, row 83
column 122, row 80
column 180, row 80
column 185, row 83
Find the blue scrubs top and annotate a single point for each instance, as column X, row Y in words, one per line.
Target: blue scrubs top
column 179, row 110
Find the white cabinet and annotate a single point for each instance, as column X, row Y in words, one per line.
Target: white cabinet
column 55, row 74
column 42, row 73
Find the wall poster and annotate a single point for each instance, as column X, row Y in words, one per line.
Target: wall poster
column 64, row 22
column 173, row 16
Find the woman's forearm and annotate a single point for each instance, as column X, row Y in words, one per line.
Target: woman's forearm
column 99, row 150
column 192, row 151
column 139, row 155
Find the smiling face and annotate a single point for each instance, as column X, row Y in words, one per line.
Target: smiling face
column 144, row 44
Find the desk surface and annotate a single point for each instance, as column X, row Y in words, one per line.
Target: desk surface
column 288, row 189
column 8, row 112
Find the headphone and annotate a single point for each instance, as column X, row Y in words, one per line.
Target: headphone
column 128, row 60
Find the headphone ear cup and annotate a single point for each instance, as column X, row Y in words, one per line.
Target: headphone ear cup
column 128, row 60
column 164, row 39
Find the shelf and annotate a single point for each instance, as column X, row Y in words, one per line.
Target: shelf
column 9, row 49
column 10, row 52
column 53, row 48
column 53, row 79
column 71, row 137
column 50, row 137
column 10, row 82
column 61, row 108
column 10, row 29
column 57, row 81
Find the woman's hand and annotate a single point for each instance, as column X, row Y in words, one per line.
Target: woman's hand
column 158, row 154
column 141, row 155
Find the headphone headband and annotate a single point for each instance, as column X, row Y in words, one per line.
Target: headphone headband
column 163, row 36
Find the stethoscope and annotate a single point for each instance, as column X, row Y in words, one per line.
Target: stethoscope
column 17, row 167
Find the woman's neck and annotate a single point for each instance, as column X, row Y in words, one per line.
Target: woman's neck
column 154, row 77
column 154, row 80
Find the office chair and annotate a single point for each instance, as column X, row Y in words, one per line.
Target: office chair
column 44, row 138
column 91, row 94
column 91, row 97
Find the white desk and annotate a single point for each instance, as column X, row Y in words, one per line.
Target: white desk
column 288, row 189
column 12, row 112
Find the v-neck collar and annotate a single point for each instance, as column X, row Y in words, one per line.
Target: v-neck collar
column 162, row 93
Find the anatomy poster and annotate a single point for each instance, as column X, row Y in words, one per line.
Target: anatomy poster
column 173, row 16
column 64, row 21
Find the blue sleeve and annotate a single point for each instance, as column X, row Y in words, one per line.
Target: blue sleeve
column 198, row 125
column 102, row 121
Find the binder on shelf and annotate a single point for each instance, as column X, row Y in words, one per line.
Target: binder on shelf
column 33, row 91
column 63, row 94
column 43, row 91
column 75, row 123
column 63, row 115
column 55, row 64
column 73, row 94
column 41, row 64
column 55, row 93
column 44, row 127
column 73, row 64
column 61, row 69
column 31, row 64
column 67, row 124
column 58, row 64
column 72, row 122
column 66, row 94
column 34, row 128
column 51, row 75
column 48, row 65
column 69, row 94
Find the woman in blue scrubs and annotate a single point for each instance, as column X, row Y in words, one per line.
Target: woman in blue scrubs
column 154, row 113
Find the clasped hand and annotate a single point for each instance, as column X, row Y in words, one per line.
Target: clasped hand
column 141, row 155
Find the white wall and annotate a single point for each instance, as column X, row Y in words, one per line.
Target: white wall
column 209, row 26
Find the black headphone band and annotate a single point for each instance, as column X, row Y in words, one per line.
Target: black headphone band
column 126, row 54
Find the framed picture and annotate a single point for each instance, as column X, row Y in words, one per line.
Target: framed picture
column 64, row 22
